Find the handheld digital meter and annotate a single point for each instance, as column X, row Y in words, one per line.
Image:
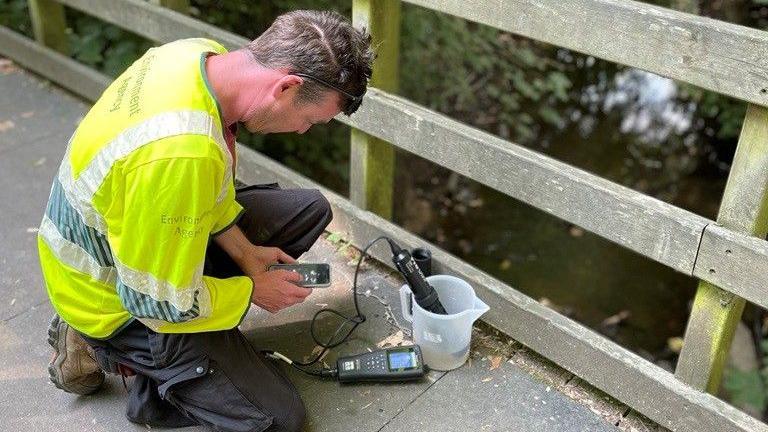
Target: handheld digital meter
column 391, row 364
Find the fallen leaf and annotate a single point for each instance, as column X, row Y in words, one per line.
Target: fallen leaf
column 477, row 202
column 32, row 230
column 505, row 264
column 396, row 339
column 616, row 319
column 27, row 114
column 6, row 125
column 13, row 301
column 486, row 379
column 495, row 362
column 576, row 231
column 7, row 66
column 39, row 162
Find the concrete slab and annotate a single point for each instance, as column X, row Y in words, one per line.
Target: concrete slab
column 27, row 171
column 479, row 397
column 38, row 110
column 36, row 120
column 30, row 402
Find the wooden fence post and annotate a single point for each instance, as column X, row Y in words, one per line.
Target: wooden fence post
column 49, row 24
column 744, row 208
column 372, row 161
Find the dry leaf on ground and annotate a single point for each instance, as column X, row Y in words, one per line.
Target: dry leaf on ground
column 495, row 362
column 396, row 339
column 6, row 125
column 7, row 66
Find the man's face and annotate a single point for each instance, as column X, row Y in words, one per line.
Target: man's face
column 289, row 115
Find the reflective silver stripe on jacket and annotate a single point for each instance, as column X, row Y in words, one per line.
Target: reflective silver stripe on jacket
column 80, row 191
column 73, row 255
column 182, row 298
column 78, row 258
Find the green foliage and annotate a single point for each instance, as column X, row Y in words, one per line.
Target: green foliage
column 749, row 387
column 746, row 388
column 481, row 76
column 14, row 14
column 103, row 46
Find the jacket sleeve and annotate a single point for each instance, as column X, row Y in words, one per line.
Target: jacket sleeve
column 170, row 209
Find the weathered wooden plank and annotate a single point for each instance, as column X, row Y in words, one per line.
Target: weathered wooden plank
column 156, row 23
column 715, row 55
column 614, row 370
column 49, row 24
column 68, row 73
column 646, row 225
column 372, row 161
column 744, row 209
column 735, row 262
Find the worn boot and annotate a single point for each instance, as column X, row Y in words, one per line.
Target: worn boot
column 73, row 367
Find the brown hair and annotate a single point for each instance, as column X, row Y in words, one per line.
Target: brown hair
column 321, row 44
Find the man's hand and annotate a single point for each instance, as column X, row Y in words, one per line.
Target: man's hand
column 250, row 258
column 258, row 258
column 275, row 290
column 272, row 290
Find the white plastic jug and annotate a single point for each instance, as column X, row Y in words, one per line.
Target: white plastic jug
column 444, row 339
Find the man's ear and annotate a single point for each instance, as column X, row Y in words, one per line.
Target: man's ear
column 287, row 85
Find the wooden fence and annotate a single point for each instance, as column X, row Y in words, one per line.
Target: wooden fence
column 729, row 255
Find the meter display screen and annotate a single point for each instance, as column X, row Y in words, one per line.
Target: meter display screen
column 402, row 360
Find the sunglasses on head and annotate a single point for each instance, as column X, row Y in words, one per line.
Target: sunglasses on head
column 354, row 101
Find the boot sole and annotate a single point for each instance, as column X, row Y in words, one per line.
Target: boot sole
column 57, row 340
column 55, row 329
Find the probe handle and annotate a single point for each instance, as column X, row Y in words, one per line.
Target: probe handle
column 423, row 293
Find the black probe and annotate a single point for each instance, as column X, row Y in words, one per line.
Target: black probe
column 424, row 294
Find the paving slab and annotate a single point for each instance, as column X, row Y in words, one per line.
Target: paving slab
column 38, row 109
column 476, row 398
column 485, row 394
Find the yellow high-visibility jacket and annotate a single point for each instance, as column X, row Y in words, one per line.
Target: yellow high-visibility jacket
column 147, row 179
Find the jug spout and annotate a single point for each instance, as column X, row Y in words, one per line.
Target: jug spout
column 479, row 308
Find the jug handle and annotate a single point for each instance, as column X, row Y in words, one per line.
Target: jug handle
column 405, row 302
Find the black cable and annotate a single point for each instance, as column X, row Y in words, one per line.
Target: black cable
column 356, row 320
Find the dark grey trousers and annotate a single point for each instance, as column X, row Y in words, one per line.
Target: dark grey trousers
column 217, row 379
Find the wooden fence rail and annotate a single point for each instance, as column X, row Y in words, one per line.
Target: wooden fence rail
column 722, row 57
column 715, row 55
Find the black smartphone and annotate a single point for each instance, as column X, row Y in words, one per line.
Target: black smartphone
column 312, row 275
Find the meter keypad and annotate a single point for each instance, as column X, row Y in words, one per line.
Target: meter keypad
column 376, row 362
